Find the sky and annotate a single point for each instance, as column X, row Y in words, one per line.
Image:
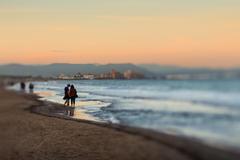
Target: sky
column 189, row 33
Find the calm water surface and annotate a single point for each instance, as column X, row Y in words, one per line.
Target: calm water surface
column 207, row 110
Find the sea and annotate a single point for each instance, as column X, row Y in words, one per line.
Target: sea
column 208, row 110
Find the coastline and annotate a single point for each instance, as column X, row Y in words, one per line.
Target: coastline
column 198, row 149
column 154, row 145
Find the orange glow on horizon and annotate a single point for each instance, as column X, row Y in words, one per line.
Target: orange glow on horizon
column 192, row 38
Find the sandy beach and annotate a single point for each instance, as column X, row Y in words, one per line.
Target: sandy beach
column 30, row 131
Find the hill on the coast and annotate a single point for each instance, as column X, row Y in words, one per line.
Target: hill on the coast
column 149, row 70
column 216, row 73
column 161, row 69
column 67, row 69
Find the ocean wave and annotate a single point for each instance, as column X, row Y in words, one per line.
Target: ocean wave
column 201, row 97
column 205, row 109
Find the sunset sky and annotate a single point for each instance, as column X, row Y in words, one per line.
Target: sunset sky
column 192, row 33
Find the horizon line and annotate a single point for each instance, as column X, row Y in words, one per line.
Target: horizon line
column 137, row 64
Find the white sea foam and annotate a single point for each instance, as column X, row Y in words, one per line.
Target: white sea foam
column 201, row 109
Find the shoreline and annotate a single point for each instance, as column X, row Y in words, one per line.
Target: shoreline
column 161, row 145
column 221, row 144
column 181, row 143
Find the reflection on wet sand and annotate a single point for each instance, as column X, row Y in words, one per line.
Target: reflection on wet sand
column 45, row 93
column 78, row 113
column 70, row 111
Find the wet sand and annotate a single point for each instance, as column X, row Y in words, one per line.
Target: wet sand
column 30, row 130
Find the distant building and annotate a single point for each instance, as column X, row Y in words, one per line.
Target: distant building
column 109, row 75
column 105, row 76
column 78, row 76
column 64, row 77
column 117, row 75
column 89, row 76
column 129, row 74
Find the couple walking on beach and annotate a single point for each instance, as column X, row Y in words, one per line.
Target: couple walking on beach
column 23, row 86
column 70, row 93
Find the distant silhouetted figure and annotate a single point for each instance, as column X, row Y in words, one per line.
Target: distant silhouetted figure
column 73, row 95
column 22, row 86
column 66, row 95
column 31, row 87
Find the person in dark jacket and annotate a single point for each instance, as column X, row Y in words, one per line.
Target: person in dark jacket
column 31, row 87
column 73, row 95
column 66, row 95
column 22, row 86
